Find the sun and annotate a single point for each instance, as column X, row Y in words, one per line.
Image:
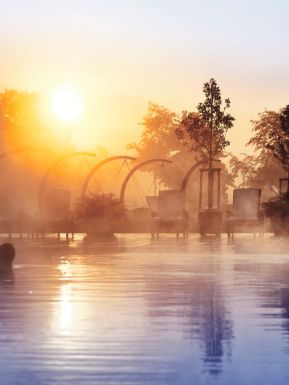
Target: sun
column 66, row 104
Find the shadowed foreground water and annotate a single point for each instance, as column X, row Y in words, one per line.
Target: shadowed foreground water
column 137, row 312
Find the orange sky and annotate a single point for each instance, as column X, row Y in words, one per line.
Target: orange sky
column 123, row 54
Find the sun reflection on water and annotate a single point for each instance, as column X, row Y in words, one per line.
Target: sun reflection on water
column 65, row 298
column 66, row 308
column 65, row 269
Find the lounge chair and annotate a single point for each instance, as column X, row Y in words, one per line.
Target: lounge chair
column 246, row 211
column 168, row 213
column 55, row 215
column 152, row 202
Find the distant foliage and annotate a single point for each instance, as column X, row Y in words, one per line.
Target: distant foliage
column 164, row 136
column 19, row 117
column 158, row 140
column 266, row 130
column 279, row 143
column 158, row 136
column 278, row 205
column 205, row 131
column 261, row 169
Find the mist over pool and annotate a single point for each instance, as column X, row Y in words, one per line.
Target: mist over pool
column 135, row 311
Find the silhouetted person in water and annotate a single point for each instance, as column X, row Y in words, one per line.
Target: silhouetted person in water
column 7, row 255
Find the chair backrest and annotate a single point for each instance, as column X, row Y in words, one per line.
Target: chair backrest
column 246, row 202
column 171, row 203
column 152, row 202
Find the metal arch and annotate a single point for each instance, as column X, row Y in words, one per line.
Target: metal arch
column 53, row 166
column 189, row 173
column 98, row 166
column 191, row 170
column 132, row 171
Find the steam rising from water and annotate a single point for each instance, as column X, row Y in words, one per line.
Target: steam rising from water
column 169, row 312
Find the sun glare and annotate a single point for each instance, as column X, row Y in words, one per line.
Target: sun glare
column 66, row 104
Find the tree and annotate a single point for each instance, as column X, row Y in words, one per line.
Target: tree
column 158, row 140
column 205, row 131
column 28, row 147
column 23, row 124
column 266, row 130
column 158, row 137
column 20, row 120
column 260, row 169
column 278, row 142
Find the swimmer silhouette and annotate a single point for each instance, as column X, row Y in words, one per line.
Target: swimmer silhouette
column 7, row 255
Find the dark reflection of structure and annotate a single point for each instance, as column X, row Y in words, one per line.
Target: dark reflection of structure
column 7, row 278
column 285, row 311
column 211, row 324
column 214, row 326
column 270, row 281
column 285, row 306
column 205, row 315
column 248, row 245
column 216, row 329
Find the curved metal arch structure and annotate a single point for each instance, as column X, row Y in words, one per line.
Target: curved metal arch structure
column 133, row 170
column 53, row 166
column 98, row 166
column 189, row 173
column 191, row 170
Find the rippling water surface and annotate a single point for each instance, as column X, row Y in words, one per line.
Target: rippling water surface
column 141, row 312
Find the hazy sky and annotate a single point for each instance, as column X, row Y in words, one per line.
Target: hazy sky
column 122, row 54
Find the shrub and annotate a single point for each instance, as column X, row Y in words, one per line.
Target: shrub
column 99, row 206
column 277, row 206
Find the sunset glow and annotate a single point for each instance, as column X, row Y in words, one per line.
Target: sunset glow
column 101, row 46
column 144, row 195
column 66, row 104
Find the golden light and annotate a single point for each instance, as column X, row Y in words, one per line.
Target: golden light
column 67, row 104
column 66, row 308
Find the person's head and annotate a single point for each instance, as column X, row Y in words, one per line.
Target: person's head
column 7, row 255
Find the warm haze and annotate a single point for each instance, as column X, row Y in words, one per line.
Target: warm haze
column 121, row 54
column 141, row 241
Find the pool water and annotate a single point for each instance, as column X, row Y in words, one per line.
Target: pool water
column 134, row 311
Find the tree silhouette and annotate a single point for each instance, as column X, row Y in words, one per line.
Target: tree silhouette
column 19, row 117
column 158, row 140
column 260, row 168
column 279, row 143
column 205, row 131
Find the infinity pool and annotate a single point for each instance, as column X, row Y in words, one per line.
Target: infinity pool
column 134, row 312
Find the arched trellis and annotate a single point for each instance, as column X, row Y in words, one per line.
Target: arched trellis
column 133, row 170
column 191, row 170
column 52, row 167
column 98, row 166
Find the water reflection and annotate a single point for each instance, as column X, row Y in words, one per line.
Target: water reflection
column 170, row 312
column 285, row 306
column 7, row 278
column 65, row 269
column 65, row 311
column 187, row 289
column 216, row 331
